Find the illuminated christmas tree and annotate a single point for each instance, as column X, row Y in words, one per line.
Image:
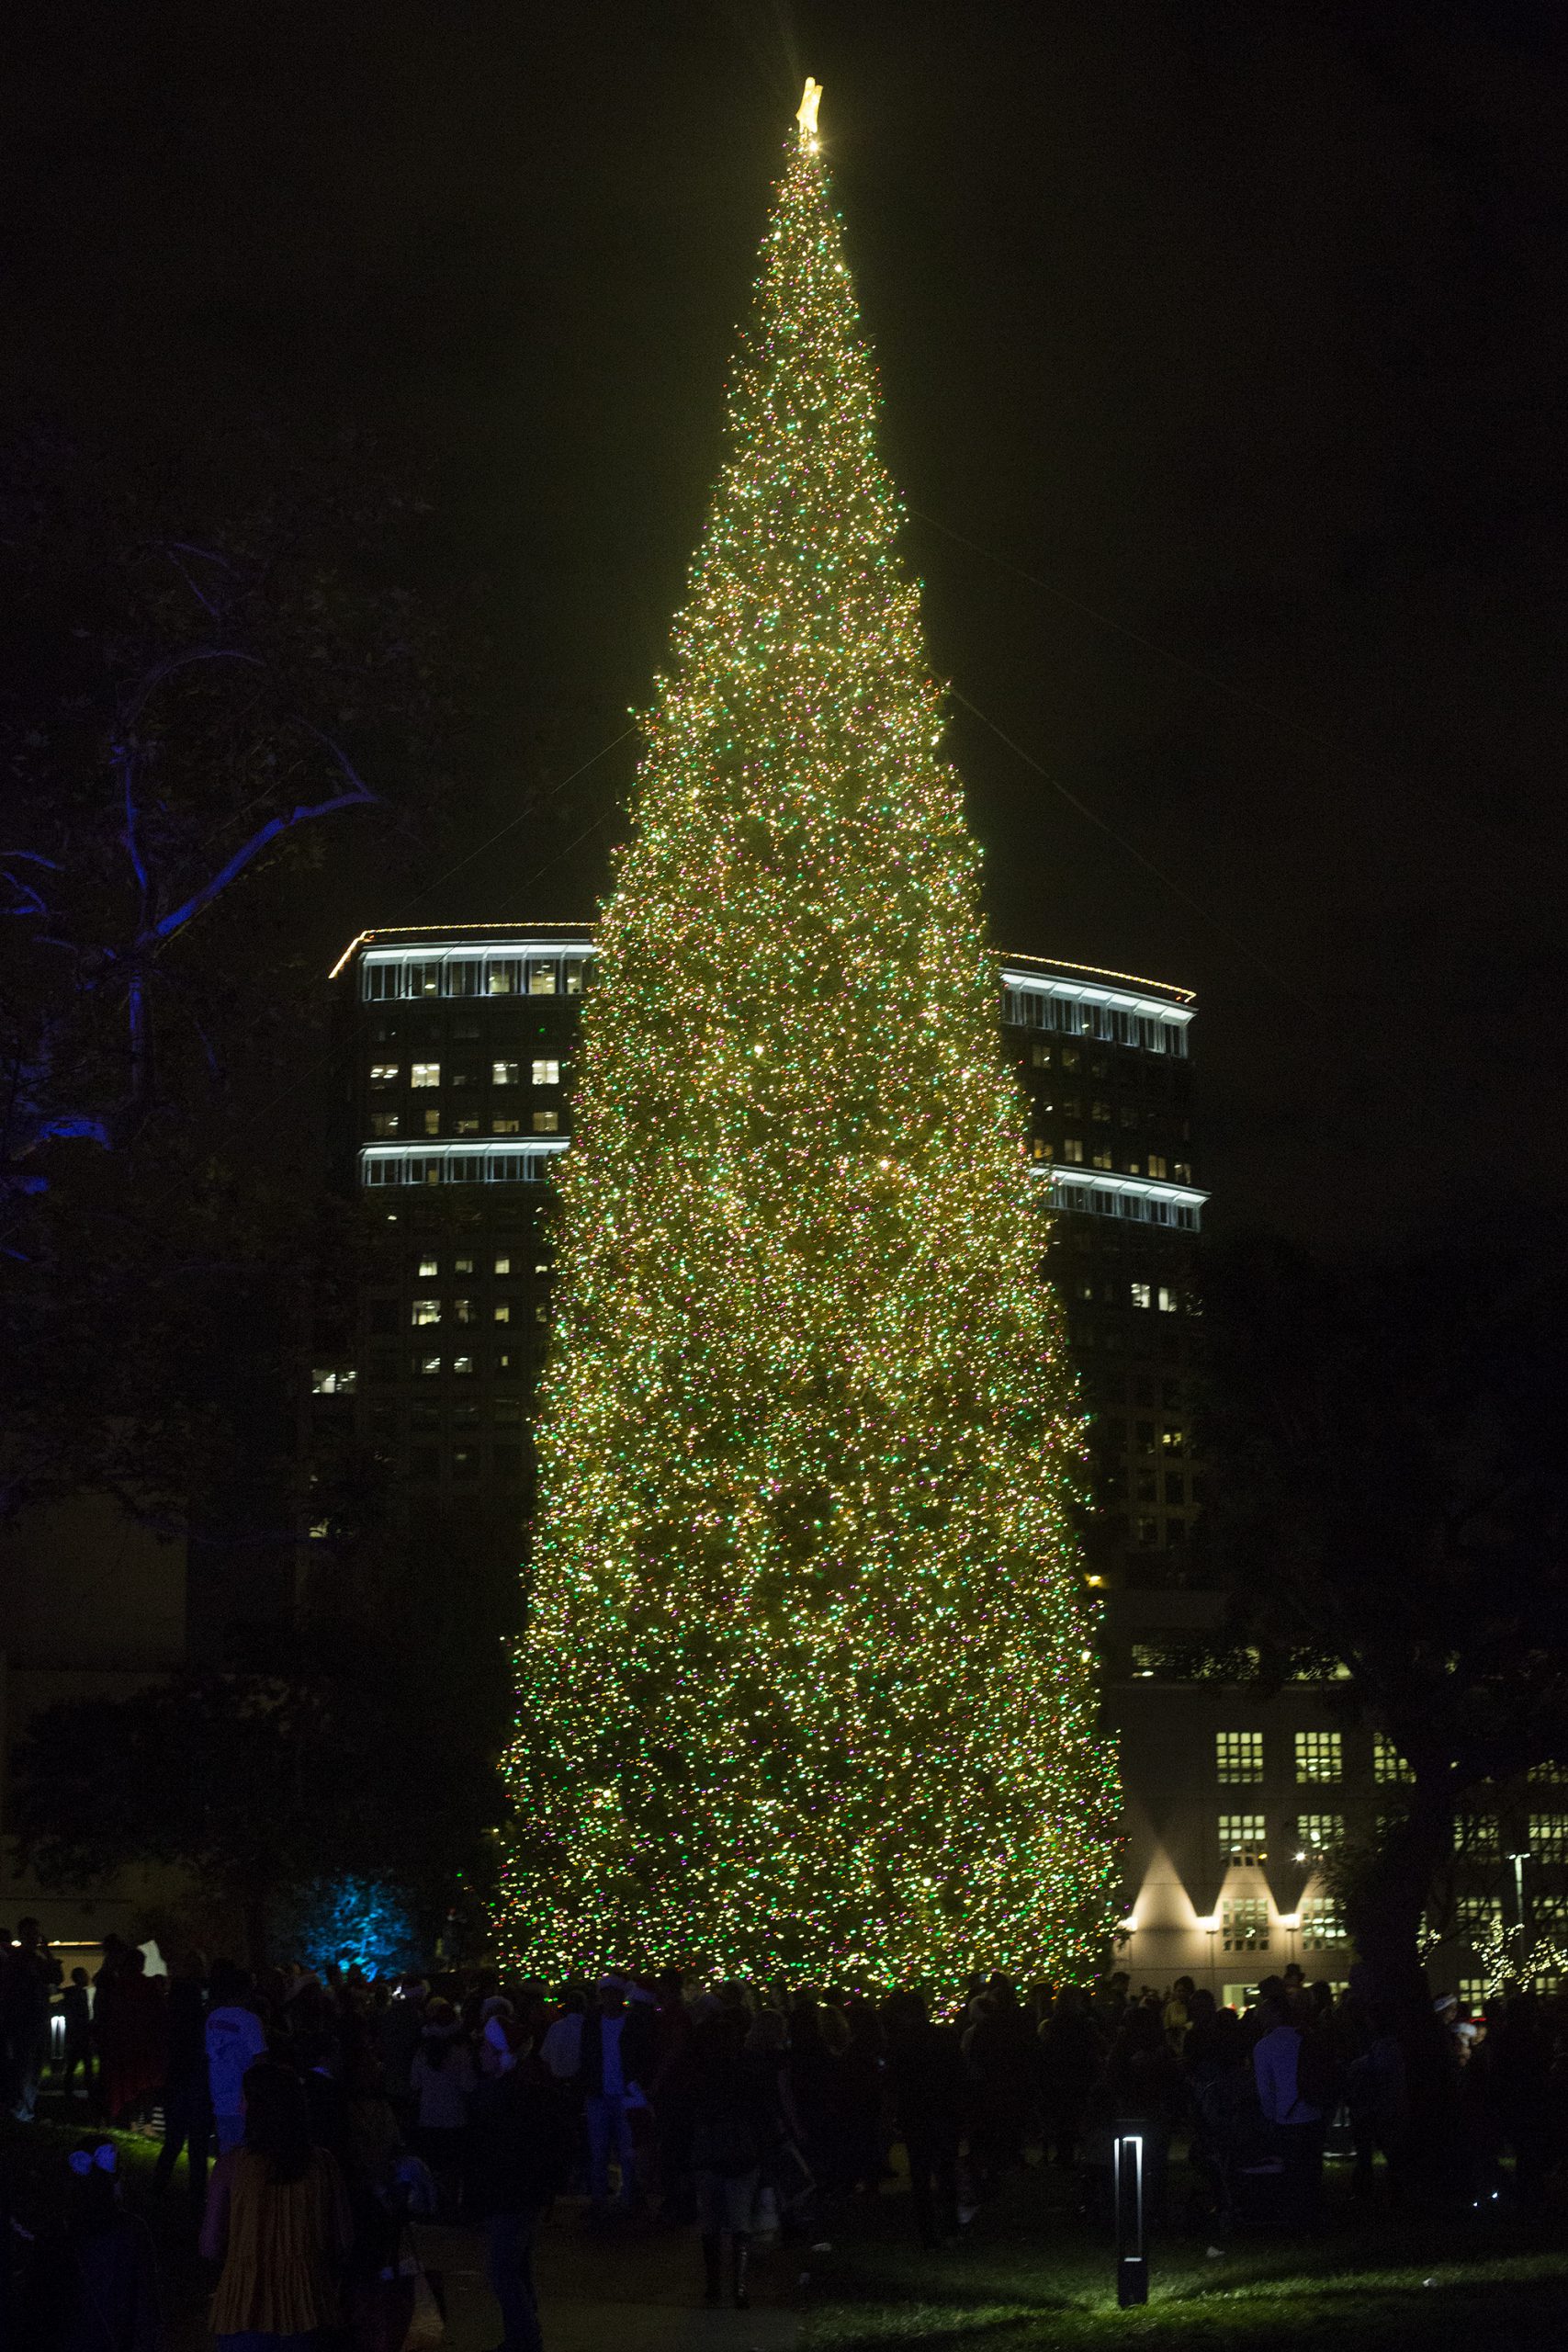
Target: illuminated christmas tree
column 807, row 1678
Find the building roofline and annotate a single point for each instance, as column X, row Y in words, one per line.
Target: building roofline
column 432, row 930
column 1100, row 972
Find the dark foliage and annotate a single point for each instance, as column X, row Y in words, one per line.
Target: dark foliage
column 1388, row 1445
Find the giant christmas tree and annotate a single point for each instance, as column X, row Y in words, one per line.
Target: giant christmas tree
column 806, row 1679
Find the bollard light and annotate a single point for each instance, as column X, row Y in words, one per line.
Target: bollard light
column 1131, row 2251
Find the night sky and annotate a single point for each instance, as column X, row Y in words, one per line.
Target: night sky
column 1240, row 327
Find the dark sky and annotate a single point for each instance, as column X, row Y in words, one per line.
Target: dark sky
column 1240, row 327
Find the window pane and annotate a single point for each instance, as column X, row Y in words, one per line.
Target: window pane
column 425, row 1074
column 1238, row 1758
column 1319, row 1756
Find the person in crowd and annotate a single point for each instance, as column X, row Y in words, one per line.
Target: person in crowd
column 76, row 2009
column 1070, row 2057
column 613, row 2052
column 519, row 2149
column 1297, row 2123
column 668, row 2090
column 862, row 2099
column 1140, row 2080
column 926, row 2076
column 235, row 2039
column 1002, row 2053
column 560, row 2049
column 92, row 2283
column 277, row 2220
column 399, row 2027
column 442, row 2080
column 187, row 2101
column 1378, row 2095
column 735, row 2124
column 1519, row 2064
column 129, row 2027
column 1178, row 2013
column 28, row 1974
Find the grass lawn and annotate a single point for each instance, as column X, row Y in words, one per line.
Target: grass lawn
column 1034, row 2275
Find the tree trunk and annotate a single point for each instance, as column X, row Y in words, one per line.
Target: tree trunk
column 1384, row 1914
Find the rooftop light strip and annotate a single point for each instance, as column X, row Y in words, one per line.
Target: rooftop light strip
column 1090, row 992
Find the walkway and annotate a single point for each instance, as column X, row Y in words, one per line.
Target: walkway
column 630, row 2289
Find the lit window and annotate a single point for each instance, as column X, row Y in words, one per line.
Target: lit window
column 1388, row 1764
column 1167, row 1300
column 546, row 1122
column 546, row 1073
column 1100, row 1158
column 333, row 1383
column 1319, row 1756
column 462, row 1265
column 573, row 977
column 1548, row 1832
column 425, row 1074
column 462, row 1366
column 1142, row 1294
column 1477, row 1913
column 383, row 1123
column 504, row 1313
column 504, row 976
column 462, row 1310
column 1476, row 1833
column 506, row 1126
column 467, row 1127
column 1243, row 1920
column 1317, row 1832
column 1072, row 1151
column 541, row 980
column 1238, row 1758
column 503, row 1265
column 433, row 1123
column 385, row 1073
column 427, row 1364
column 505, row 1073
column 1173, row 1440
column 1321, row 1923
column 428, row 1270
column 1039, row 1054
column 1183, row 1173
column 421, row 980
column 1156, row 1163
column 1243, row 1838
column 426, row 1310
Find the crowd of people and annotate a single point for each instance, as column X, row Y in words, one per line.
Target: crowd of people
column 320, row 2113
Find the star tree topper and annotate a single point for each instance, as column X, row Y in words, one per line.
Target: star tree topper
column 806, row 113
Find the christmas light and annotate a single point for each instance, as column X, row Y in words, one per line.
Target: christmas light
column 806, row 1682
